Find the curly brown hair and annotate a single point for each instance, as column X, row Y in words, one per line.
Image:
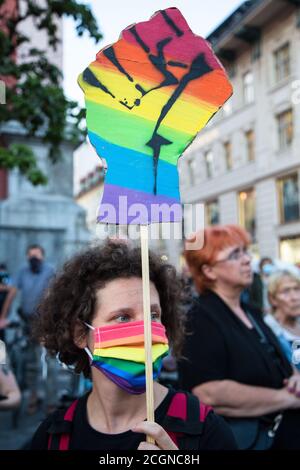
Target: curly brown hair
column 71, row 298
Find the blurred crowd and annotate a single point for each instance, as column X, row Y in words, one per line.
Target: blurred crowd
column 242, row 339
column 28, row 370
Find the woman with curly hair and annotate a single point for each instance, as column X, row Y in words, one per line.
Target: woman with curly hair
column 92, row 317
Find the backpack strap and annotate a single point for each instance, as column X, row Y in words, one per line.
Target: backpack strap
column 61, row 428
column 184, row 421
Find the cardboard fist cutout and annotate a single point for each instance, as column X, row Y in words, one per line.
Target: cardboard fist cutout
column 147, row 96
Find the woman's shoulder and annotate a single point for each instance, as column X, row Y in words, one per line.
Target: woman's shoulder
column 255, row 311
column 278, row 329
column 53, row 424
column 213, row 432
column 207, row 311
column 187, row 406
column 204, row 304
column 40, row 438
column 180, row 401
column 273, row 324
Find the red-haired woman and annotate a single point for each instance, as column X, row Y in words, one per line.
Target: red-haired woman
column 233, row 360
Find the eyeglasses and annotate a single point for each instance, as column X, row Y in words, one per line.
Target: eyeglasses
column 235, row 255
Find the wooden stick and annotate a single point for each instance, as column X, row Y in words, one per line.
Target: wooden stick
column 147, row 325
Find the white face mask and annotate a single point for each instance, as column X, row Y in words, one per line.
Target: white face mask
column 87, row 350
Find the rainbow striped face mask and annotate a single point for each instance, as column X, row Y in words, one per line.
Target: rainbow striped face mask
column 120, row 355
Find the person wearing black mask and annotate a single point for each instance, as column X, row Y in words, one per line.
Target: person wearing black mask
column 32, row 280
column 35, row 264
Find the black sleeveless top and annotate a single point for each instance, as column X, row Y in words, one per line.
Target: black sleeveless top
column 220, row 346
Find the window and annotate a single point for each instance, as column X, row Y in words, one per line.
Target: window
column 3, row 183
column 228, row 155
column 209, row 159
column 161, row 237
column 289, row 199
column 191, row 170
column 2, row 92
column 250, row 142
column 83, row 184
column 247, row 211
column 298, row 18
column 212, row 213
column 285, row 129
column 282, row 63
column 256, row 50
column 248, row 87
column 290, row 250
column 227, row 108
column 231, row 70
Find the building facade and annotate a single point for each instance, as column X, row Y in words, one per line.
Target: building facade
column 47, row 215
column 245, row 165
column 89, row 194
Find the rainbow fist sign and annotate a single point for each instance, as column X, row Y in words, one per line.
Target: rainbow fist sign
column 147, row 96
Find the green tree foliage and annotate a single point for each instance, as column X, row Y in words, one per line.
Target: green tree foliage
column 34, row 95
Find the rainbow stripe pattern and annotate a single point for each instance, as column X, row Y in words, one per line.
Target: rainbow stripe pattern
column 120, row 355
column 147, row 96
